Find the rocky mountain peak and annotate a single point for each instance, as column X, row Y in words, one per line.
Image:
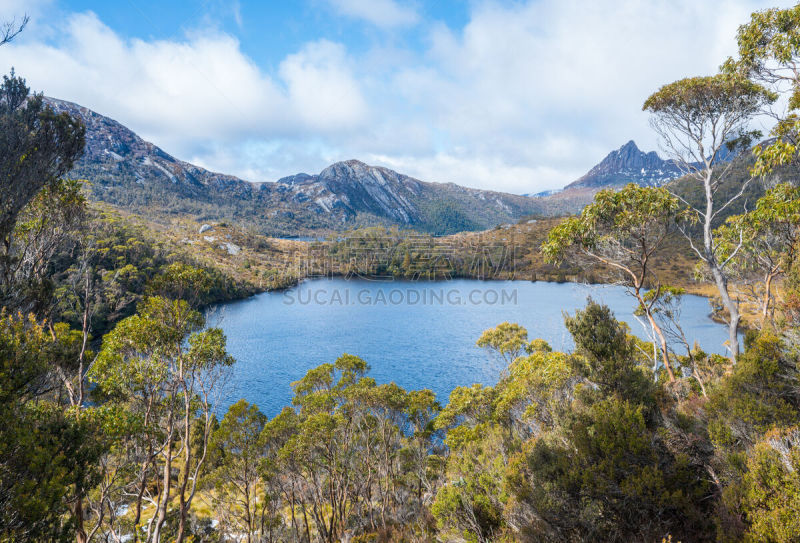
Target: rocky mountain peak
column 629, row 164
column 355, row 171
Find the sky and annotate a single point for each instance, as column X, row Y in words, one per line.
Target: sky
column 516, row 96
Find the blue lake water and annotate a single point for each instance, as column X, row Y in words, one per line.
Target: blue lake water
column 417, row 334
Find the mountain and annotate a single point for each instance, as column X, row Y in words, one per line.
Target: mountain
column 126, row 171
column 629, row 164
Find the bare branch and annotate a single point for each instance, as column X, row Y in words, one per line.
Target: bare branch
column 11, row 29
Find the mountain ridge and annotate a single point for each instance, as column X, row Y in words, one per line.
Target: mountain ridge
column 125, row 170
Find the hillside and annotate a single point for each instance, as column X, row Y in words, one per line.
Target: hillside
column 126, row 171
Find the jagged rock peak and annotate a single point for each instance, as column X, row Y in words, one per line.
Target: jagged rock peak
column 629, row 164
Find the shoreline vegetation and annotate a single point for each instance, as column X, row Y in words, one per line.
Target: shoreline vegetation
column 109, row 372
column 509, row 252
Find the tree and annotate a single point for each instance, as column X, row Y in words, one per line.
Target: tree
column 696, row 118
column 667, row 311
column 506, row 340
column 608, row 448
column 624, row 230
column 169, row 372
column 606, row 353
column 759, row 394
column 239, row 447
column 352, row 458
column 48, row 454
column 769, row 53
column 45, row 227
column 767, row 241
column 771, row 488
column 752, row 422
column 37, row 148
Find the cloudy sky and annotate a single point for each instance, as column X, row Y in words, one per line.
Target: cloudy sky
column 519, row 96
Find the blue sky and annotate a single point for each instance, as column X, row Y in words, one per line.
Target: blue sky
column 270, row 30
column 518, row 96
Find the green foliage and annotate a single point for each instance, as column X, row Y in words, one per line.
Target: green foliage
column 507, row 340
column 761, row 244
column 238, row 447
column 771, row 489
column 47, row 453
column 607, row 457
column 699, row 99
column 768, row 53
column 443, row 217
column 37, row 148
column 44, row 229
column 759, row 394
column 390, row 252
column 624, row 227
column 625, row 230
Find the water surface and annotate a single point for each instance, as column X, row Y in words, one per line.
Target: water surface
column 417, row 334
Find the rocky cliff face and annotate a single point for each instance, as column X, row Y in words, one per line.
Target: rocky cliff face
column 628, row 164
column 127, row 171
column 358, row 187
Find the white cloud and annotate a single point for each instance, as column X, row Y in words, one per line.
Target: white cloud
column 18, row 8
column 526, row 97
column 553, row 85
column 383, row 13
column 326, row 96
column 187, row 93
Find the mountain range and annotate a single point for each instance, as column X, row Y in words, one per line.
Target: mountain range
column 129, row 172
column 126, row 171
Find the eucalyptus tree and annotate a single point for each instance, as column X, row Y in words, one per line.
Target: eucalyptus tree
column 239, row 490
column 324, row 452
column 167, row 371
column 769, row 236
column 624, row 230
column 506, row 340
column 37, row 149
column 697, row 118
column 351, row 458
column 769, row 53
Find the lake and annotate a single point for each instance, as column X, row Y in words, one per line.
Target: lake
column 417, row 334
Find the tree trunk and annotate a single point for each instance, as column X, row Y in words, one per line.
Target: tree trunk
column 163, row 503
column 733, row 311
column 187, row 450
column 660, row 334
column 767, row 299
column 720, row 279
column 80, row 532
